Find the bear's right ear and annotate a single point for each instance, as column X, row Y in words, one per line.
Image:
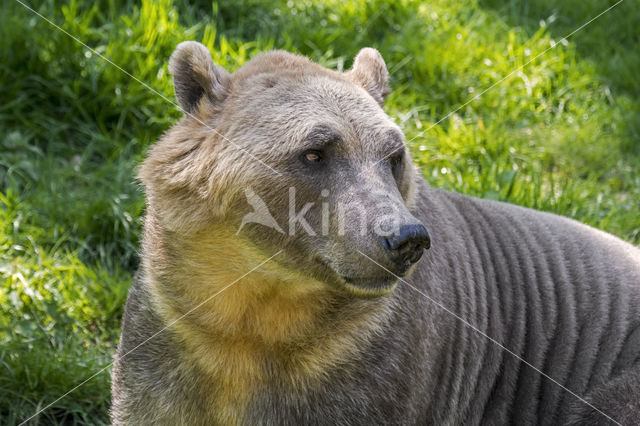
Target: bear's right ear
column 195, row 76
column 370, row 72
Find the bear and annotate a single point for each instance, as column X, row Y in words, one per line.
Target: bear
column 297, row 269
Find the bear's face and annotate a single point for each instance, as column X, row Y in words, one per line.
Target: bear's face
column 291, row 156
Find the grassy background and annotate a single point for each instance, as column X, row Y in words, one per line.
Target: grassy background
column 562, row 135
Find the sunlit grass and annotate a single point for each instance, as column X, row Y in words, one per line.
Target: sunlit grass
column 562, row 134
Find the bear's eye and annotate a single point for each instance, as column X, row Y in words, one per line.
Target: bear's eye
column 312, row 157
column 396, row 162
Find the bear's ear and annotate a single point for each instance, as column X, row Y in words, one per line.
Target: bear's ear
column 195, row 76
column 370, row 72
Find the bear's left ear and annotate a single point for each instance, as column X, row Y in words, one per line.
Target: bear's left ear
column 370, row 72
column 195, row 76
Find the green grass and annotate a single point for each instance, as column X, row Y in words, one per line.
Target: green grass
column 562, row 135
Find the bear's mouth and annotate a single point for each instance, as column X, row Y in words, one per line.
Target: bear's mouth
column 374, row 286
column 370, row 281
column 365, row 286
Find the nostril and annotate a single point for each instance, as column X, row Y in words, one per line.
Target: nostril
column 386, row 243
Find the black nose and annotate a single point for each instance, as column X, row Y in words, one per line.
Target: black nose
column 407, row 246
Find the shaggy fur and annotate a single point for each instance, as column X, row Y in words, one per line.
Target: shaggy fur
column 322, row 334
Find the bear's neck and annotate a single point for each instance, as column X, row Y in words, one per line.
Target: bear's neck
column 228, row 316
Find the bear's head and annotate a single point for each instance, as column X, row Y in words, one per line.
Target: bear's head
column 287, row 155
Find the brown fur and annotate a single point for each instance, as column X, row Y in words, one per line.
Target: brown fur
column 321, row 334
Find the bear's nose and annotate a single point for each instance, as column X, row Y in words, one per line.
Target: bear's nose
column 407, row 246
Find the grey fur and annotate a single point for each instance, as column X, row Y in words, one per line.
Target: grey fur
column 563, row 296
